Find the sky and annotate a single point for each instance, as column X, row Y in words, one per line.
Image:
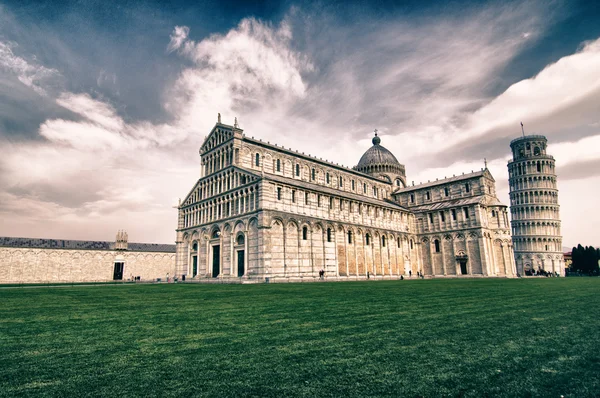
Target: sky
column 104, row 105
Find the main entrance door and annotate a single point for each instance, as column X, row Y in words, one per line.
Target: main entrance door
column 463, row 267
column 240, row 262
column 118, row 272
column 216, row 264
column 194, row 266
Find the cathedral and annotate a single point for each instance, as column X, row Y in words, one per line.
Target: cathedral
column 261, row 212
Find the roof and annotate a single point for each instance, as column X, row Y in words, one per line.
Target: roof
column 39, row 243
column 376, row 155
column 529, row 137
column 479, row 199
column 446, row 181
column 333, row 192
column 311, row 158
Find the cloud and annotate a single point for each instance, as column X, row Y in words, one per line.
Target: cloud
column 560, row 100
column 100, row 167
column 30, row 74
column 179, row 35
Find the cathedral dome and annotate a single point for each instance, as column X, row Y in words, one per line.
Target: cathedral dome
column 377, row 155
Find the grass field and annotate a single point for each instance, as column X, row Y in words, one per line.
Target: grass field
column 484, row 337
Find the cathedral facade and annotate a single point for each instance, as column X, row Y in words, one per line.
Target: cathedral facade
column 262, row 212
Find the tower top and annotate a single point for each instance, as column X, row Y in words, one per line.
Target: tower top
column 376, row 140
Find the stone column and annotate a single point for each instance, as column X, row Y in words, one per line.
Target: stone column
column 231, row 251
column 443, row 253
column 482, row 255
column 246, row 254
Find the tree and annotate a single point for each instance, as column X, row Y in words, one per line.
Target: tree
column 585, row 259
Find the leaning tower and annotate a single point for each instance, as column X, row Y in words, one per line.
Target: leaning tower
column 534, row 207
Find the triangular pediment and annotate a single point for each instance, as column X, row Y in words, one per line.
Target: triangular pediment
column 487, row 174
column 220, row 134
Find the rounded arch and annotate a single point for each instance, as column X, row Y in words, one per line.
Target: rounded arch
column 292, row 223
column 239, row 225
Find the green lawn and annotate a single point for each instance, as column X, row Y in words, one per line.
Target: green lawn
column 483, row 337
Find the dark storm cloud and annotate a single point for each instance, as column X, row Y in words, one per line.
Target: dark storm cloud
column 578, row 170
column 22, row 110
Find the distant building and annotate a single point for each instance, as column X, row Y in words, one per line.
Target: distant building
column 262, row 211
column 568, row 258
column 30, row 260
column 534, row 208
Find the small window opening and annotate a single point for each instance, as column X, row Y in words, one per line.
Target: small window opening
column 437, row 245
column 304, row 233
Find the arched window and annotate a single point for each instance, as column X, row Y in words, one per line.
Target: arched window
column 367, row 239
column 216, row 233
column 313, row 174
column 328, row 234
column 383, row 241
column 350, row 237
column 195, row 246
column 528, row 146
column 257, row 160
column 278, row 165
column 304, row 233
column 539, row 166
column 327, row 178
column 399, row 242
column 298, row 170
column 467, row 187
column 536, row 150
column 446, row 191
column 411, row 244
column 240, row 239
column 493, row 213
column 437, row 245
